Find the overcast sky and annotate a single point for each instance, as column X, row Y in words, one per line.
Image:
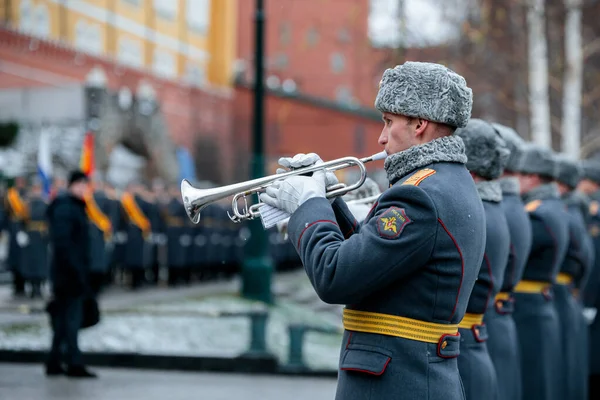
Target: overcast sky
column 427, row 22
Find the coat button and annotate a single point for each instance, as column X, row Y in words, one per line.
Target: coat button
column 444, row 344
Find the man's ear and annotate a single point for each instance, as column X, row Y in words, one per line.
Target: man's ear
column 422, row 125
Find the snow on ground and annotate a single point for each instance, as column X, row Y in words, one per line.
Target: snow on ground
column 158, row 329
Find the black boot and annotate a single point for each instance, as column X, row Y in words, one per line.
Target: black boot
column 54, row 369
column 79, row 371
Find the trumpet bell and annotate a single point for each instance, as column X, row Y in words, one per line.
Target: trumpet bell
column 188, row 195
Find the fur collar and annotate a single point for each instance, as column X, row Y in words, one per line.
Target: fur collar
column 489, row 191
column 577, row 199
column 510, row 185
column 542, row 192
column 444, row 149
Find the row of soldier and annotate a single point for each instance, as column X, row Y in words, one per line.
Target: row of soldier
column 135, row 234
column 526, row 331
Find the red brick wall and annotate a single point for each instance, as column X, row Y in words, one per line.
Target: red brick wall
column 293, row 126
column 341, row 26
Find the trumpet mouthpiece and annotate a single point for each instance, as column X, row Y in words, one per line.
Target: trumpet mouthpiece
column 379, row 156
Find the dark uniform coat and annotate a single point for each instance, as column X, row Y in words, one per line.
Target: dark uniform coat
column 15, row 224
column 503, row 343
column 474, row 363
column 70, row 242
column 537, row 322
column 592, row 288
column 416, row 256
column 574, row 338
column 178, row 236
column 119, row 223
column 34, row 260
column 138, row 250
column 100, row 257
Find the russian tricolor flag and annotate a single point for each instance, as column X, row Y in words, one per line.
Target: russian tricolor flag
column 44, row 162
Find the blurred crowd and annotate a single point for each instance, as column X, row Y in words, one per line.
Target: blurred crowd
column 138, row 236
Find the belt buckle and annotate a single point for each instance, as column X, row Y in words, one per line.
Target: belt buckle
column 547, row 293
column 501, row 306
column 479, row 333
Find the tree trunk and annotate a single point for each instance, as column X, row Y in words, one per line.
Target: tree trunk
column 539, row 103
column 573, row 76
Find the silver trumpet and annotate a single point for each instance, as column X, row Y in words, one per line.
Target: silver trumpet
column 194, row 199
column 365, row 200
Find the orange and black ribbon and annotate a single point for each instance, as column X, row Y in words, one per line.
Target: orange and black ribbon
column 96, row 215
column 18, row 207
column 136, row 216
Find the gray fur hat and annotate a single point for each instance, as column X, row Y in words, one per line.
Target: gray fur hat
column 567, row 171
column 426, row 90
column 514, row 143
column 537, row 160
column 486, row 152
column 591, row 170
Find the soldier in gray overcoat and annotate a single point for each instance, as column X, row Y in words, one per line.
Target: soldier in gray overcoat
column 538, row 327
column 179, row 239
column 100, row 234
column 16, row 215
column 137, row 257
column 35, row 265
column 487, row 155
column 590, row 185
column 406, row 273
column 573, row 270
column 503, row 342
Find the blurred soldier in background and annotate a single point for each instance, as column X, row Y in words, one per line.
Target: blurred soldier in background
column 161, row 200
column 59, row 185
column 487, row 155
column 70, row 239
column 137, row 253
column 543, row 375
column 97, row 207
column 34, row 259
column 503, row 342
column 118, row 244
column 17, row 215
column 590, row 185
column 178, row 237
column 574, row 269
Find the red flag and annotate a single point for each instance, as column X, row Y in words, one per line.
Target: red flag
column 86, row 164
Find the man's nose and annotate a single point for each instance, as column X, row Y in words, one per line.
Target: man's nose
column 383, row 139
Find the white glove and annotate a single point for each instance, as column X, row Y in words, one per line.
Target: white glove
column 22, row 239
column 589, row 314
column 291, row 193
column 305, row 160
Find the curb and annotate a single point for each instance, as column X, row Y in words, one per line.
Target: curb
column 245, row 363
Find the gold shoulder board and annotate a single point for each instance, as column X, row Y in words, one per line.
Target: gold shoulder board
column 419, row 176
column 594, row 206
column 533, row 205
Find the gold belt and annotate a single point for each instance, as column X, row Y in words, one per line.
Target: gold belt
column 392, row 325
column 471, row 319
column 564, row 279
column 502, row 296
column 532, row 287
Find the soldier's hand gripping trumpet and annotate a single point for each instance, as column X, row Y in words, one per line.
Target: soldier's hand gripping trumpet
column 194, row 199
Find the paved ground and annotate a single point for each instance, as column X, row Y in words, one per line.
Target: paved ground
column 27, row 382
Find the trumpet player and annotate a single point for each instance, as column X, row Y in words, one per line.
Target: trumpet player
column 406, row 273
